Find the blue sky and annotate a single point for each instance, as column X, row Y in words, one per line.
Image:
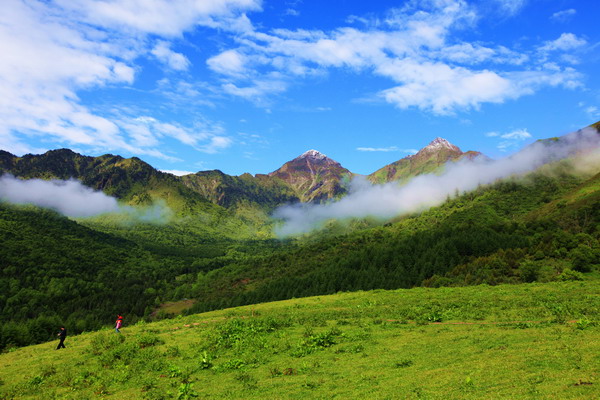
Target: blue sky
column 246, row 85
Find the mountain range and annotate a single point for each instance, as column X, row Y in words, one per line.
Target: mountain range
column 310, row 177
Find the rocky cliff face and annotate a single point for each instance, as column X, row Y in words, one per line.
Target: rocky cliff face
column 314, row 176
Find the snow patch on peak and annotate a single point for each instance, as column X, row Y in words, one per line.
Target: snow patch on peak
column 313, row 154
column 440, row 143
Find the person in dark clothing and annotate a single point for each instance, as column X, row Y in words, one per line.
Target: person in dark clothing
column 62, row 335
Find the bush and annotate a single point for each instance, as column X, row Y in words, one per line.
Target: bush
column 582, row 258
column 529, row 271
column 570, row 275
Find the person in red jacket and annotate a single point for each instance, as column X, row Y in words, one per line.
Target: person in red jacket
column 118, row 324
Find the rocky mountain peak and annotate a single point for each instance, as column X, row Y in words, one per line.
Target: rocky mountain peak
column 312, row 154
column 439, row 144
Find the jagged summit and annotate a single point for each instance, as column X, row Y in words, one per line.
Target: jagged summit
column 439, row 144
column 313, row 176
column 314, row 154
column 427, row 160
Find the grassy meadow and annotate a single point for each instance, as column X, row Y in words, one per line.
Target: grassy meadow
column 481, row 342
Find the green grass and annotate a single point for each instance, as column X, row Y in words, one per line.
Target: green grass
column 519, row 343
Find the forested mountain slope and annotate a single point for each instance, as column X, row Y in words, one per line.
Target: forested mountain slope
column 540, row 227
column 131, row 180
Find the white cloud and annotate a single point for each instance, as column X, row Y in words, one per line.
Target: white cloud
column 229, row 62
column 386, row 149
column 592, row 111
column 51, row 51
column 173, row 60
column 566, row 41
column 176, row 172
column 519, row 134
column 413, row 46
column 564, row 15
column 216, row 144
column 510, row 139
column 257, row 89
column 204, row 137
column 160, row 17
column 70, row 198
column 442, row 89
column 511, row 7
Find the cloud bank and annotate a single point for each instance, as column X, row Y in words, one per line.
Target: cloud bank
column 73, row 199
column 70, row 198
column 424, row 191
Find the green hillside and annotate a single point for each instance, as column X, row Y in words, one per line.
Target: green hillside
column 430, row 159
column 491, row 235
column 533, row 341
column 231, row 191
column 131, row 180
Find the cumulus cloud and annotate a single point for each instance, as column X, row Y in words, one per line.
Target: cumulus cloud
column 566, row 41
column 51, row 51
column 424, row 191
column 173, row 60
column 160, row 17
column 417, row 47
column 229, row 62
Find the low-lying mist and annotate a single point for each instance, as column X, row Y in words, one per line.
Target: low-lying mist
column 73, row 199
column 424, row 191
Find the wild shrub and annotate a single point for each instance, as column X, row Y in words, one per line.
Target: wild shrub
column 570, row 275
column 352, row 349
column 172, row 351
column 403, row 363
column 83, row 380
column 104, row 341
column 584, row 323
column 237, row 331
column 47, row 371
column 529, row 271
column 186, row 391
column 247, row 380
column 205, row 361
column 315, row 342
column 147, row 339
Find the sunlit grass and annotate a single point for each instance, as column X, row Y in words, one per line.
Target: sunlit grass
column 520, row 341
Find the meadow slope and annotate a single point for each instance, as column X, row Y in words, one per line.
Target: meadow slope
column 481, row 342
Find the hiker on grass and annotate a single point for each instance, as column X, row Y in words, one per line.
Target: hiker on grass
column 118, row 324
column 62, row 334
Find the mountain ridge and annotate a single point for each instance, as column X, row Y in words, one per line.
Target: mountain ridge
column 310, row 177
